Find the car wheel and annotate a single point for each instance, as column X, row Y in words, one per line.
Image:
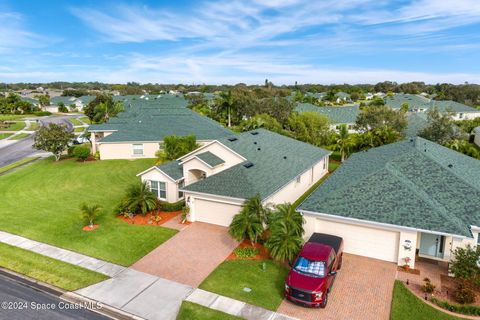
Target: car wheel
column 324, row 301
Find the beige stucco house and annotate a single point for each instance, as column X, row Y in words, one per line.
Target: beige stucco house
column 397, row 202
column 476, row 138
column 139, row 130
column 218, row 177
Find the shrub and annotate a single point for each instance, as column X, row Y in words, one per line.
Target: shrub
column 62, row 108
column 171, row 207
column 81, row 152
column 428, row 287
column 137, row 199
column 464, row 295
column 468, row 310
column 247, row 252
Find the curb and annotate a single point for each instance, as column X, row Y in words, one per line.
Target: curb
column 20, row 166
column 71, row 297
column 105, row 309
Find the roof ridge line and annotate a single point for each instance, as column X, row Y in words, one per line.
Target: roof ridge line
column 444, row 167
column 420, row 193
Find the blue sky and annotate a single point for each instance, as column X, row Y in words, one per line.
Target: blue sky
column 341, row 41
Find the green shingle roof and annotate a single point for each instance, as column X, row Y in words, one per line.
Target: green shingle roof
column 419, row 102
column 210, row 159
column 276, row 161
column 153, row 119
column 172, row 169
column 336, row 115
column 416, row 122
column 477, row 130
column 448, row 105
column 413, row 183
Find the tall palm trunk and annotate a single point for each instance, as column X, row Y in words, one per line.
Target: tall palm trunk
column 229, row 117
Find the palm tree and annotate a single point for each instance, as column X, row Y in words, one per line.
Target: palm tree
column 249, row 223
column 344, row 142
column 284, row 243
column 139, row 198
column 89, row 213
column 225, row 102
column 288, row 215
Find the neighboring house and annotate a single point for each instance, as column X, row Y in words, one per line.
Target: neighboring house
column 217, row 178
column 138, row 131
column 476, row 138
column 71, row 102
column 337, row 116
column 369, row 96
column 416, row 103
column 419, row 103
column 317, row 95
column 402, row 200
column 416, row 122
column 342, row 97
column 30, row 100
column 457, row 110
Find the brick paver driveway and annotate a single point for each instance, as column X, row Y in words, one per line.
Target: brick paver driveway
column 189, row 256
column 363, row 290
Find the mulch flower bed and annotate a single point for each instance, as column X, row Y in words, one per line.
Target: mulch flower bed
column 88, row 228
column 149, row 218
column 262, row 252
column 409, row 270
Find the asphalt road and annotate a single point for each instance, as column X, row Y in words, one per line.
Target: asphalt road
column 21, row 302
column 24, row 148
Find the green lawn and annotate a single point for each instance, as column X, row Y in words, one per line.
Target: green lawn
column 16, row 164
column 60, row 274
column 16, row 126
column 230, row 277
column 193, row 311
column 406, row 306
column 33, row 126
column 41, row 202
column 79, row 129
column 75, row 122
column 332, row 166
column 85, row 119
column 19, row 136
column 11, row 117
column 5, row 135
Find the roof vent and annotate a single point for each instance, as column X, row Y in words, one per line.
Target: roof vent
column 450, row 165
column 254, row 133
column 248, row 164
column 231, row 139
column 254, row 142
column 285, row 157
column 259, row 149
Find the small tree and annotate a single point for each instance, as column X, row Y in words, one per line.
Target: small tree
column 90, row 212
column 53, row 138
column 81, row 152
column 139, row 199
column 286, row 226
column 174, row 147
column 465, row 264
column 62, row 108
column 344, row 142
column 440, row 129
column 249, row 223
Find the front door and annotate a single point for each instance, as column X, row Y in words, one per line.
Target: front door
column 432, row 245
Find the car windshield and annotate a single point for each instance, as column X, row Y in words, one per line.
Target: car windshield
column 315, row 268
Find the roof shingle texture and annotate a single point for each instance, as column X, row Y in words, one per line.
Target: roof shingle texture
column 336, row 115
column 413, row 183
column 153, row 119
column 270, row 170
column 172, row 169
column 210, row 159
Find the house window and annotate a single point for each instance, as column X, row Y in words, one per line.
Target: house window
column 181, row 184
column 159, row 188
column 299, row 179
column 324, row 163
column 138, row 149
column 460, row 115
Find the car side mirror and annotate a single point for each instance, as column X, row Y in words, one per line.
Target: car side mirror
column 290, row 263
column 333, row 273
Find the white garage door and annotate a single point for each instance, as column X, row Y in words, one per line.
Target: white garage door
column 215, row 212
column 363, row 241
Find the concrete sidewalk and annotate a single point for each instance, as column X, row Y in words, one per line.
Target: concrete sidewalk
column 138, row 293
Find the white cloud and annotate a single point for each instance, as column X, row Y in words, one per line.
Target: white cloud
column 14, row 35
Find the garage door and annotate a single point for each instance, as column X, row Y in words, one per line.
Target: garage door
column 363, row 241
column 215, row 212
